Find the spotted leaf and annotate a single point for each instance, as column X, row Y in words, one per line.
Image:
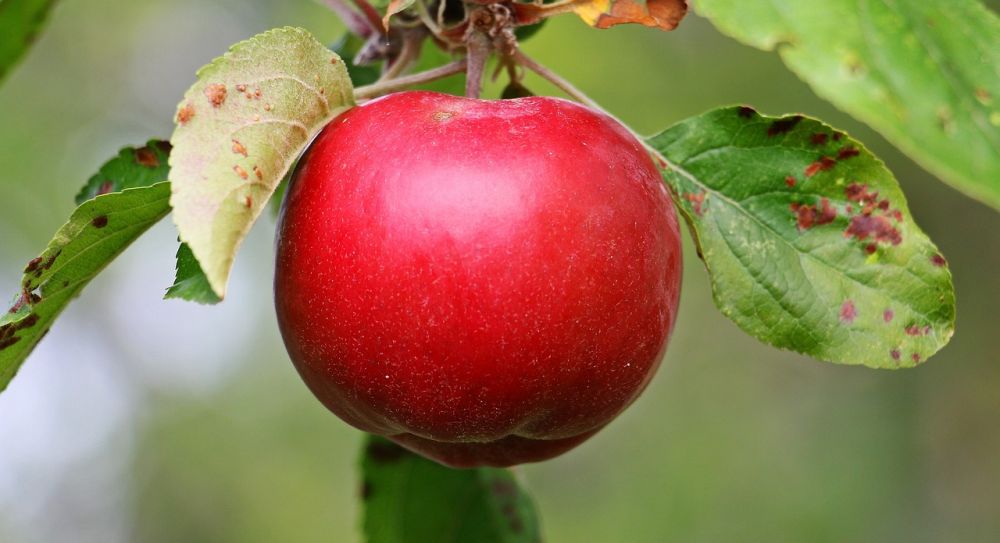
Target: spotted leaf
column 240, row 127
column 98, row 231
column 807, row 238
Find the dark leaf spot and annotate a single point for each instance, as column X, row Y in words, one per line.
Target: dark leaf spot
column 915, row 357
column 144, row 156
column 746, row 112
column 821, row 165
column 27, row 322
column 100, row 221
column 8, row 342
column 818, row 138
column 938, row 261
column 33, row 264
column 871, row 248
column 887, row 315
column 895, row 354
column 877, row 227
column 837, row 136
column 106, row 187
column 807, row 216
column 790, row 181
column 51, row 260
column 164, row 146
column 848, row 312
column 848, row 152
column 781, row 126
column 366, row 489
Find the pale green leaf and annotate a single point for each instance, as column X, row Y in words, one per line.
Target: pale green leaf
column 925, row 74
column 807, row 238
column 240, row 128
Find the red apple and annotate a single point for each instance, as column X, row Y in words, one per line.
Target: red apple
column 483, row 282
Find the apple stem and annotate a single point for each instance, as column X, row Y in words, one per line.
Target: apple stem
column 392, row 85
column 478, row 48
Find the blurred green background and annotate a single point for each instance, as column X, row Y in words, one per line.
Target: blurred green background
column 151, row 421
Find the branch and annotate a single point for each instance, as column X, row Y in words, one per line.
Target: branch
column 400, row 83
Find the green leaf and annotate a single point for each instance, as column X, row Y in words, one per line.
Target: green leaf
column 133, row 167
column 409, row 499
column 20, row 23
column 808, row 239
column 924, row 74
column 97, row 231
column 240, row 128
column 190, row 282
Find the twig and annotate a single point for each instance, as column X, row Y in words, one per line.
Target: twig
column 558, row 81
column 425, row 17
column 408, row 53
column 356, row 23
column 400, row 83
column 579, row 96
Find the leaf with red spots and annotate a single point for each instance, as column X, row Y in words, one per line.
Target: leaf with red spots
column 922, row 73
column 121, row 173
column 407, row 498
column 97, row 231
column 832, row 265
column 239, row 129
column 20, row 23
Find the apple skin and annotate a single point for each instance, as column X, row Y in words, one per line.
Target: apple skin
column 483, row 282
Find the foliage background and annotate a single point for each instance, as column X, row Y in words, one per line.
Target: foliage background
column 144, row 420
